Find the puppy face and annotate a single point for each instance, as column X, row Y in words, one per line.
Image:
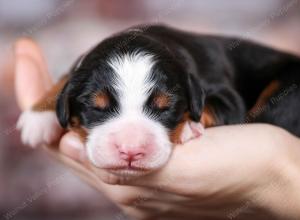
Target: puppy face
column 130, row 102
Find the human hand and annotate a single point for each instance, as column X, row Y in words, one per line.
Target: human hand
column 229, row 172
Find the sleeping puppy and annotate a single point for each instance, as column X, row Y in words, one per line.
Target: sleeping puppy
column 139, row 92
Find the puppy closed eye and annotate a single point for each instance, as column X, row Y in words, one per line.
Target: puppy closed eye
column 101, row 100
column 161, row 101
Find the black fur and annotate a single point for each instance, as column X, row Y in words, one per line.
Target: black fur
column 227, row 74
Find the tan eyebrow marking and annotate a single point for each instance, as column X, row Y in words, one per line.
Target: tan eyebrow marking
column 161, row 100
column 101, row 100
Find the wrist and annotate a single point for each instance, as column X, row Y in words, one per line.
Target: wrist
column 280, row 194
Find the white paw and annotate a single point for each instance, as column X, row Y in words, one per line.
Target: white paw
column 39, row 128
column 190, row 131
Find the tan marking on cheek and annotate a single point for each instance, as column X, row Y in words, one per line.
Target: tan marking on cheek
column 78, row 129
column 208, row 118
column 161, row 100
column 101, row 100
column 176, row 133
column 81, row 132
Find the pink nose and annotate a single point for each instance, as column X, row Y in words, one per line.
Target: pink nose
column 133, row 142
column 131, row 154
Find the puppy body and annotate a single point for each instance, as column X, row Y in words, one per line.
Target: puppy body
column 140, row 91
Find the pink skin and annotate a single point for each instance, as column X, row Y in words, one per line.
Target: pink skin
column 190, row 131
column 132, row 144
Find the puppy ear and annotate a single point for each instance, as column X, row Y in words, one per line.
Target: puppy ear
column 225, row 104
column 196, row 97
column 62, row 106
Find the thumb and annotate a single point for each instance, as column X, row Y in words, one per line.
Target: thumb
column 31, row 76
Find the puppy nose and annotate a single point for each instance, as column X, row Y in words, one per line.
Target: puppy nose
column 131, row 154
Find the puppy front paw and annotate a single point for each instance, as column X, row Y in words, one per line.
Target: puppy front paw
column 39, row 128
column 190, row 131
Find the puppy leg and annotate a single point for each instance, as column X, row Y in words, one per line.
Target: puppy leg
column 186, row 131
column 190, row 131
column 39, row 125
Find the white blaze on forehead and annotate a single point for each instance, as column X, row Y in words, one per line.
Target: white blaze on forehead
column 133, row 79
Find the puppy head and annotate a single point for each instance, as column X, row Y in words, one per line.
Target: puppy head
column 129, row 101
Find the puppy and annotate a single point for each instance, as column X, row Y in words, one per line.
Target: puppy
column 139, row 92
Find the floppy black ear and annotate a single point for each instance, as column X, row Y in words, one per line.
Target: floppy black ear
column 196, row 97
column 62, row 106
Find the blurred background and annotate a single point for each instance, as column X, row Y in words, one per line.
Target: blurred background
column 32, row 184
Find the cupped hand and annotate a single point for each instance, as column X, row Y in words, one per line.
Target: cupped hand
column 240, row 171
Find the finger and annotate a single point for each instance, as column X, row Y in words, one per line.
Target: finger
column 72, row 152
column 72, row 146
column 28, row 47
column 31, row 76
column 141, row 213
